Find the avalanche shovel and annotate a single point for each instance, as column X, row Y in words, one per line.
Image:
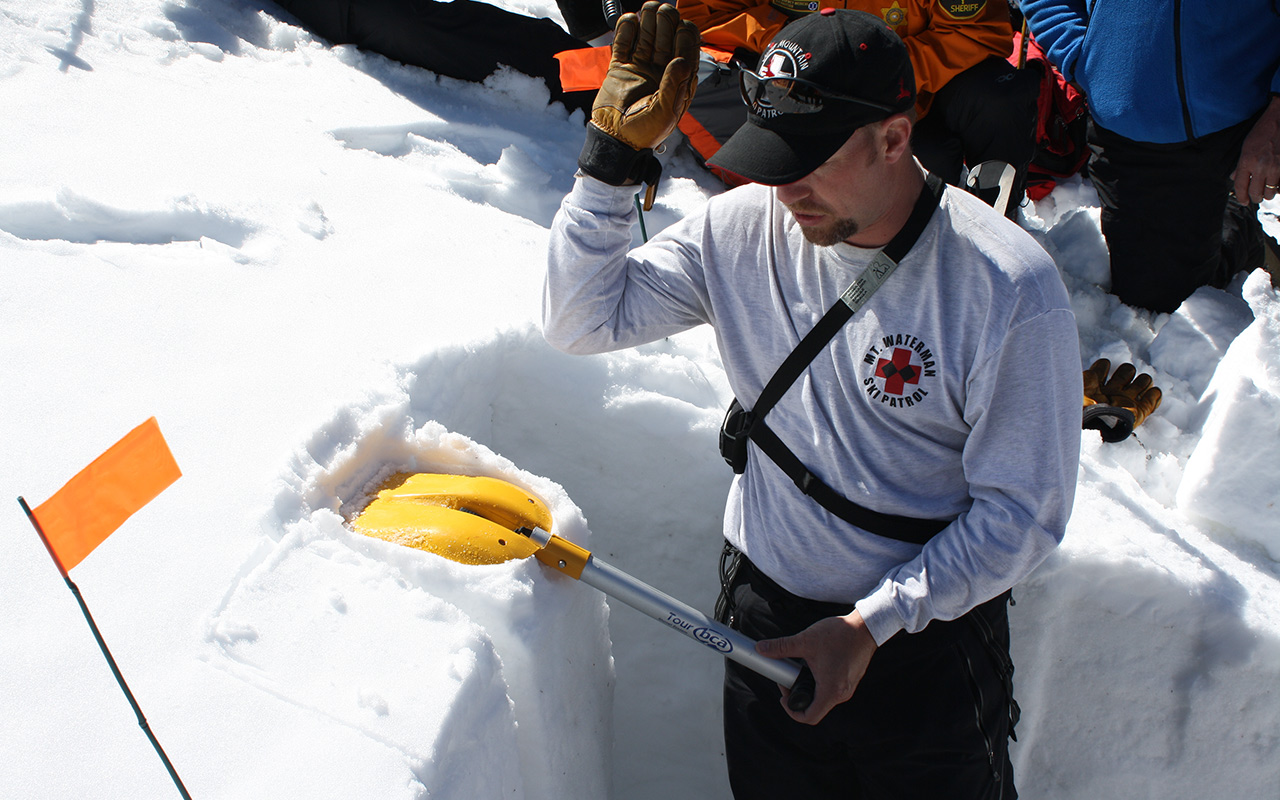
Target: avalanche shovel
column 488, row 521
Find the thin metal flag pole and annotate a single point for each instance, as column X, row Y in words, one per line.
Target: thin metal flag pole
column 115, row 670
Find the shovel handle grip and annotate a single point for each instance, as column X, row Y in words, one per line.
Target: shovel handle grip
column 801, row 691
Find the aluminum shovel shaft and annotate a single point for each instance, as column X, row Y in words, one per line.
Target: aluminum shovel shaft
column 669, row 611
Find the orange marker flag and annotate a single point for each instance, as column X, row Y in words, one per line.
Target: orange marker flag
column 84, row 512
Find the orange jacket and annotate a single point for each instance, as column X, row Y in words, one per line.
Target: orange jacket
column 944, row 37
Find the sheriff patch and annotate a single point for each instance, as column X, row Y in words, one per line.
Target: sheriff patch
column 899, row 371
column 962, row 9
column 895, row 16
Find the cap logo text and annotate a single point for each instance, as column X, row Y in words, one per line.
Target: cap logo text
column 783, row 59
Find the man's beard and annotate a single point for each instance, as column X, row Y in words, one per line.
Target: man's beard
column 833, row 232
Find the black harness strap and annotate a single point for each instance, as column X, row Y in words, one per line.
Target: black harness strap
column 751, row 424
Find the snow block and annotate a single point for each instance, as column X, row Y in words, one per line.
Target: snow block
column 305, row 625
column 1147, row 663
column 1236, row 456
column 490, row 680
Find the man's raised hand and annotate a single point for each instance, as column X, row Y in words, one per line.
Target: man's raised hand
column 650, row 83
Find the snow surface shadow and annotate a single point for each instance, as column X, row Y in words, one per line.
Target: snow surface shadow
column 227, row 26
column 511, row 172
column 67, row 56
column 507, row 127
column 73, row 218
column 527, row 176
column 522, row 150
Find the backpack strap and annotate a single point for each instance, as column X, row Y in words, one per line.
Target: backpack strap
column 741, row 425
column 858, row 293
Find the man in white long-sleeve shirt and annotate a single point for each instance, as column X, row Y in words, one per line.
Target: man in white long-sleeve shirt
column 917, row 463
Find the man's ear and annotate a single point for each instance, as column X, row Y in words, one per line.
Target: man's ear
column 897, row 138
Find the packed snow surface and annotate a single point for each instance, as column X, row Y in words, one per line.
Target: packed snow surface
column 316, row 268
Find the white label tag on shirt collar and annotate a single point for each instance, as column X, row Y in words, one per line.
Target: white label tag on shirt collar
column 866, row 284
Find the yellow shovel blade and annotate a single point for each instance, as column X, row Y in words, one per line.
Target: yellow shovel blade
column 465, row 519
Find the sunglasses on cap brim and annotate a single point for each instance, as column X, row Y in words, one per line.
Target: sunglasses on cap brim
column 793, row 95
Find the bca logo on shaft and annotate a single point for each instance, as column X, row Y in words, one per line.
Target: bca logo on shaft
column 707, row 636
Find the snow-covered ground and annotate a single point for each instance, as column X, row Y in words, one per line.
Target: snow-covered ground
column 316, row 267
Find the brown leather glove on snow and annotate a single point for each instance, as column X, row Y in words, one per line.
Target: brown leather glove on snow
column 650, row 83
column 1115, row 406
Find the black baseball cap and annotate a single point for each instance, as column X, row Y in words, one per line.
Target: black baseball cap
column 819, row 80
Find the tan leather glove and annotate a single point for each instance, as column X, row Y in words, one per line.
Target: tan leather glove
column 1125, row 391
column 650, row 83
column 1094, row 377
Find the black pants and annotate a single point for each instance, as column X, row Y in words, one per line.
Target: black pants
column 461, row 39
column 930, row 720
column 986, row 113
column 1170, row 220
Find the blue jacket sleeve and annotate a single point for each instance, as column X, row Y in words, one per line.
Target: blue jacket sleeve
column 1059, row 27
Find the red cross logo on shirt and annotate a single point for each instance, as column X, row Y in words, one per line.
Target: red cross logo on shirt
column 897, row 372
